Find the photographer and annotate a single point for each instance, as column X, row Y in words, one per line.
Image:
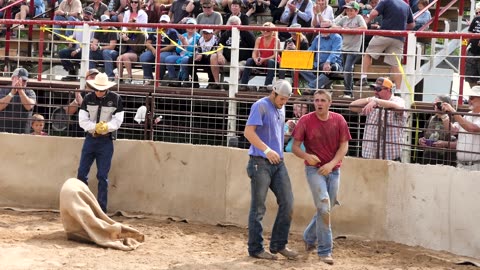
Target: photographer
column 437, row 141
column 468, row 130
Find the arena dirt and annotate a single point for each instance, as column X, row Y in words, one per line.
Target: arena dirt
column 36, row 240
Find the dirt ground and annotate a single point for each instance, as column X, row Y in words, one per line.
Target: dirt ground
column 35, row 240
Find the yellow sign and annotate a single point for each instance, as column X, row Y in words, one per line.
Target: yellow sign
column 297, row 59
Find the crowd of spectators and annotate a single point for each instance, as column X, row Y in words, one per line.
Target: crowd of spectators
column 123, row 48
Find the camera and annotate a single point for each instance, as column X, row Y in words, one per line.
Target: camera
column 438, row 105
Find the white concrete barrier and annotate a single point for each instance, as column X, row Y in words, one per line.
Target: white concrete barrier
column 432, row 206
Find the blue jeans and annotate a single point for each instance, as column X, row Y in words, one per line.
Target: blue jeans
column 324, row 191
column 349, row 60
column 263, row 176
column 101, row 150
column 248, row 67
column 171, row 62
column 66, row 58
column 107, row 56
column 320, row 81
column 68, row 32
column 147, row 59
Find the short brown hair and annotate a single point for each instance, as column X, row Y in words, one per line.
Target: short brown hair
column 38, row 118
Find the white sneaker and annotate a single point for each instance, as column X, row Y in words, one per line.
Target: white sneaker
column 345, row 96
column 327, row 259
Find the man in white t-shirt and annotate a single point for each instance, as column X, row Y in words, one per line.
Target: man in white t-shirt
column 468, row 129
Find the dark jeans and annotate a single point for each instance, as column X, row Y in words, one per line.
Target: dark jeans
column 250, row 64
column 204, row 63
column 101, row 150
column 263, row 176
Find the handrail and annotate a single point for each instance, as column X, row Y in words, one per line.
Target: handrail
column 12, row 4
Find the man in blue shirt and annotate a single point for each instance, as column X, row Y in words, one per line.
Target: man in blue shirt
column 397, row 15
column 327, row 62
column 266, row 169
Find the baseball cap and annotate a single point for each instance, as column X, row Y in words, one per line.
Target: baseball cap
column 210, row 31
column 20, row 72
column 105, row 18
column 382, row 82
column 88, row 10
column 191, row 21
column 283, row 88
column 352, row 5
column 295, row 25
column 165, row 18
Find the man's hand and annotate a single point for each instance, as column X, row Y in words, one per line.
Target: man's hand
column 312, row 160
column 273, row 157
column 101, row 128
column 327, row 68
column 369, row 107
column 326, row 169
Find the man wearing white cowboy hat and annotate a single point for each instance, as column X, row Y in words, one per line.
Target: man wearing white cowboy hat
column 101, row 114
column 468, row 130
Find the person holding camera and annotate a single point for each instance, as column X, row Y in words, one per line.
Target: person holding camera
column 437, row 141
column 391, row 137
column 468, row 129
column 297, row 41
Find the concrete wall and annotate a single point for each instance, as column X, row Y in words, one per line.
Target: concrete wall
column 432, row 206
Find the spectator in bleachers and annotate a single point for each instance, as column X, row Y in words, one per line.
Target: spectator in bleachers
column 424, row 17
column 299, row 109
column 265, row 55
column 116, row 10
column 135, row 14
column 178, row 10
column 132, row 44
column 187, row 42
column 73, row 53
column 156, row 8
column 103, row 47
column 255, row 6
column 277, row 7
column 291, row 44
column 397, row 15
column 147, row 58
column 194, row 7
column 321, row 12
column 24, row 12
column 247, row 43
column 341, row 6
column 372, row 107
column 472, row 64
column 38, row 123
column 414, row 5
column 327, row 62
column 467, row 129
column 68, row 10
column 16, row 104
column 236, row 10
column 99, row 9
column 300, row 12
column 208, row 16
column 207, row 43
column 436, row 139
column 351, row 43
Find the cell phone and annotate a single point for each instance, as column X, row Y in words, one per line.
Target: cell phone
column 439, row 105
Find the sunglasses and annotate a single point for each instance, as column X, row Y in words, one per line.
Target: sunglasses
column 207, row 6
column 134, row 2
column 378, row 88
